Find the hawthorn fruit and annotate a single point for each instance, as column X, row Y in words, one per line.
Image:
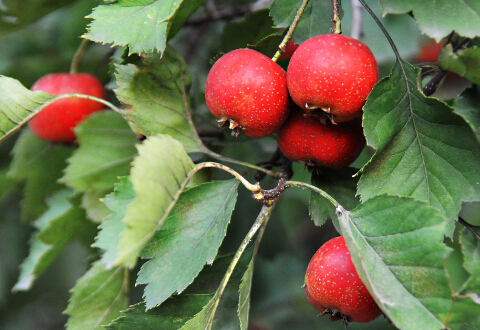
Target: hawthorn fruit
column 333, row 287
column 55, row 123
column 247, row 91
column 332, row 73
column 306, row 139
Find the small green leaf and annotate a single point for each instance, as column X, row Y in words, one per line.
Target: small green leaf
column 18, row 105
column 419, row 142
column 466, row 63
column 158, row 94
column 170, row 316
column 467, row 105
column 245, row 294
column 189, row 238
column 56, row 227
column 157, row 175
column 401, row 262
column 470, row 242
column 39, row 164
column 315, row 20
column 108, row 238
column 440, row 17
column 97, row 298
column 142, row 25
column 95, row 209
column 107, row 147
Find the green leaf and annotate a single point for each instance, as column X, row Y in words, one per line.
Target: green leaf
column 467, row 105
column 466, row 63
column 341, row 185
column 437, row 18
column 107, row 147
column 108, row 238
column 245, row 294
column 97, row 298
column 470, row 242
column 189, row 238
column 401, row 262
column 18, row 105
column 419, row 142
column 315, row 20
column 157, row 176
column 170, row 316
column 93, row 206
column 55, row 228
column 39, row 164
column 142, row 25
column 158, row 94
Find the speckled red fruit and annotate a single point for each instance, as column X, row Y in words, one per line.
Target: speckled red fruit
column 306, row 139
column 55, row 123
column 334, row 73
column 247, row 90
column 333, row 287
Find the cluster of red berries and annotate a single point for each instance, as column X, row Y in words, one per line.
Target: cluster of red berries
column 328, row 78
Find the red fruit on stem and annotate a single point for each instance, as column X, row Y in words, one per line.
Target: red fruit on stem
column 55, row 122
column 306, row 139
column 334, row 73
column 333, row 287
column 247, row 91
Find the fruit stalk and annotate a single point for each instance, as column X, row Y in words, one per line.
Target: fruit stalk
column 291, row 29
column 304, row 185
column 260, row 223
column 336, row 24
column 77, row 57
column 246, row 184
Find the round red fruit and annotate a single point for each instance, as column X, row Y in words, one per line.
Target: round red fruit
column 333, row 287
column 334, row 73
column 247, row 91
column 306, row 139
column 56, row 122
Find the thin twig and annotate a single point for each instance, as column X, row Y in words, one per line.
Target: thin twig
column 238, row 162
column 260, row 222
column 336, row 23
column 246, row 184
column 304, row 185
column 291, row 29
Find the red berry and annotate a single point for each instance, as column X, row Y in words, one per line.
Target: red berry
column 333, row 287
column 247, row 91
column 334, row 73
column 429, row 52
column 306, row 139
column 55, row 123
